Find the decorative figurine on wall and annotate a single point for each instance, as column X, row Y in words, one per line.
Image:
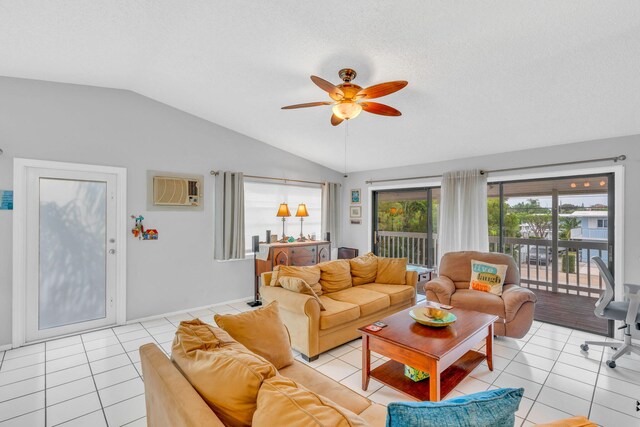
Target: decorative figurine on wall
column 139, row 231
column 150, row 234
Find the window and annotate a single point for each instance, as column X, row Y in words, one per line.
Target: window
column 261, row 201
column 603, row 223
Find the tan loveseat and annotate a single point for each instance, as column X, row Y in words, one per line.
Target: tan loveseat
column 514, row 308
column 314, row 331
column 172, row 401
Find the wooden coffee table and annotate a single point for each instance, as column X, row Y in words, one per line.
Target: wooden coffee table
column 445, row 353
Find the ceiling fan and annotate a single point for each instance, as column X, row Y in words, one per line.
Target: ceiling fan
column 350, row 99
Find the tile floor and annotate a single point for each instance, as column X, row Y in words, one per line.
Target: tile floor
column 94, row 379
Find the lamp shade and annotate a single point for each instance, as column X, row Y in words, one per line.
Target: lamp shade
column 283, row 210
column 302, row 210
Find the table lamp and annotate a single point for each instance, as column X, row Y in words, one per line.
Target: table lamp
column 283, row 211
column 302, row 212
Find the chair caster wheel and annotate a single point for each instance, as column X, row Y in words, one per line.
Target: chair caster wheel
column 611, row 363
column 614, row 348
column 584, row 347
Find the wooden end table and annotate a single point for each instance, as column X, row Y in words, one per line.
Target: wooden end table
column 447, row 353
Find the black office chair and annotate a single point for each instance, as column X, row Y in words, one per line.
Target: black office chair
column 627, row 311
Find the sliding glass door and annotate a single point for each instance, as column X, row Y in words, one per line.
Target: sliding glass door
column 553, row 228
column 405, row 224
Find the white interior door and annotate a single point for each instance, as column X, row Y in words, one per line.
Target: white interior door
column 71, row 267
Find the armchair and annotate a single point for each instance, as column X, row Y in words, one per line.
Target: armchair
column 514, row 308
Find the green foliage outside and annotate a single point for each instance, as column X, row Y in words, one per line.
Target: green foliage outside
column 565, row 226
column 406, row 216
column 569, row 262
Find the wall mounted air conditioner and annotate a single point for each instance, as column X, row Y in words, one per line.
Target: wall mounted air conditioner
column 169, row 191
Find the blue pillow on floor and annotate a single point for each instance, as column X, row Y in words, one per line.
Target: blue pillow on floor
column 492, row 408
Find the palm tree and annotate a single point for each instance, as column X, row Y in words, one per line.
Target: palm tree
column 566, row 225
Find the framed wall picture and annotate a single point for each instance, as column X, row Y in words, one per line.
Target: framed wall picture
column 355, row 212
column 355, row 196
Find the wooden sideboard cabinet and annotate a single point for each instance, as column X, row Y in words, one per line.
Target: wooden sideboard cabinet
column 294, row 254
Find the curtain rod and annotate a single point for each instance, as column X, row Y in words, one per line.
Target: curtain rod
column 576, row 162
column 216, row 173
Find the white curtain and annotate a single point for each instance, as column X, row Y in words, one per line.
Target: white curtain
column 463, row 212
column 331, row 211
column 229, row 219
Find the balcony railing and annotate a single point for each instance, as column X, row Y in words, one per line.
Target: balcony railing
column 567, row 271
column 570, row 270
column 399, row 244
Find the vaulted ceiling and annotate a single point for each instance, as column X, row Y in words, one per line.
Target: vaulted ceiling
column 484, row 77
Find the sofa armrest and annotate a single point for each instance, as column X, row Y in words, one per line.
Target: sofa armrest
column 514, row 296
column 442, row 287
column 170, row 399
column 265, row 278
column 411, row 278
column 290, row 301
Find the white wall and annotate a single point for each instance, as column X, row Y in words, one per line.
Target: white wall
column 358, row 236
column 72, row 123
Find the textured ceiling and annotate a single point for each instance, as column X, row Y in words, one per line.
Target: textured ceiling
column 484, row 77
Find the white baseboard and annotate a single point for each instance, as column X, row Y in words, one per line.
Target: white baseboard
column 142, row 319
column 175, row 313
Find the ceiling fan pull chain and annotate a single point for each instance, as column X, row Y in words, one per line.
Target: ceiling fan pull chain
column 346, row 134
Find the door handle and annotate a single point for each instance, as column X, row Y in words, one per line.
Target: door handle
column 112, row 251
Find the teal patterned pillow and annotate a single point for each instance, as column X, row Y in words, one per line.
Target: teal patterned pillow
column 492, row 408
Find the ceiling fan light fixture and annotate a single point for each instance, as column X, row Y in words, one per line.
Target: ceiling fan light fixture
column 347, row 110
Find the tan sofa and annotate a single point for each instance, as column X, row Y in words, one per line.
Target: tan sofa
column 172, row 402
column 314, row 331
column 514, row 308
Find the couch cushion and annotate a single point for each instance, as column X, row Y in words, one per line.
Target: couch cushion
column 364, row 269
column 368, row 301
column 398, row 294
column 487, row 277
column 321, row 384
column 335, row 275
column 479, row 301
column 296, row 284
column 210, row 362
column 283, row 402
column 392, row 271
column 309, row 273
column 337, row 312
column 262, row 332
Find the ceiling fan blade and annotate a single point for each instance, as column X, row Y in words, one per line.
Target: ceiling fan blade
column 382, row 89
column 308, row 104
column 333, row 91
column 381, row 109
column 335, row 120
